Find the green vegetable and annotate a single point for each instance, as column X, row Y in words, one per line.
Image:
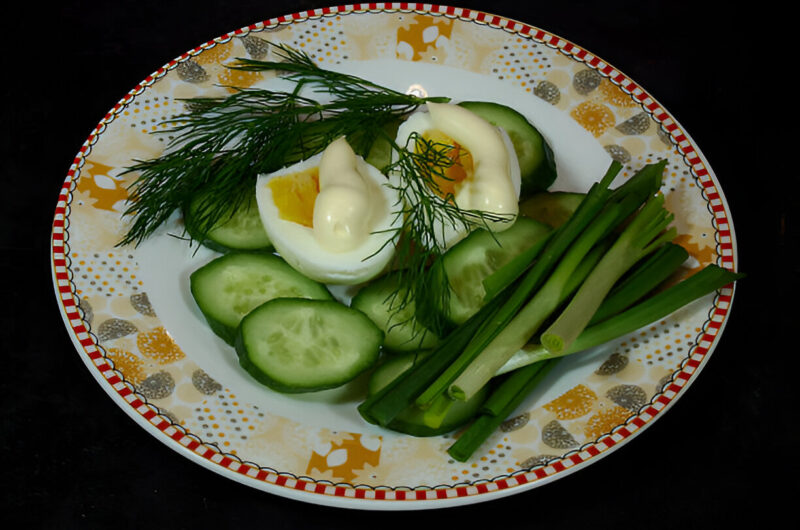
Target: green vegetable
column 536, row 160
column 470, row 261
column 413, row 420
column 646, row 277
column 551, row 207
column 645, row 233
column 511, row 271
column 530, row 281
column 625, row 231
column 651, row 309
column 239, row 229
column 382, row 149
column 297, row 345
column 383, row 407
column 417, row 385
column 572, row 269
column 527, row 369
column 230, row 286
column 474, row 372
column 382, row 301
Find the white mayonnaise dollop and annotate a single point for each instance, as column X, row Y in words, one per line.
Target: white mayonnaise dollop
column 492, row 187
column 349, row 201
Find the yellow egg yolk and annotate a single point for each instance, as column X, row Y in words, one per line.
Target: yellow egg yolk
column 447, row 177
column 295, row 194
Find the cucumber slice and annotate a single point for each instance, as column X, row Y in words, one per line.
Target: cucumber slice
column 411, row 420
column 229, row 287
column 536, row 160
column 237, row 230
column 380, row 153
column 402, row 332
column 551, row 207
column 297, row 345
column 476, row 257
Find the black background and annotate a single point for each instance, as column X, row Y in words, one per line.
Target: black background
column 71, row 458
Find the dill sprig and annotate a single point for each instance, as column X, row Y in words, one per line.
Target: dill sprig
column 221, row 144
column 296, row 66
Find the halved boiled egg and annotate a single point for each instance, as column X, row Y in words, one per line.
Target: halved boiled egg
column 484, row 174
column 331, row 216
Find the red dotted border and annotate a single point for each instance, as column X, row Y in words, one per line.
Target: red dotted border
column 210, row 453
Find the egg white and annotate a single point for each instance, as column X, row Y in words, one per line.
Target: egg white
column 447, row 234
column 298, row 245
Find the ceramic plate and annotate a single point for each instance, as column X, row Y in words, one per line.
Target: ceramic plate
column 133, row 322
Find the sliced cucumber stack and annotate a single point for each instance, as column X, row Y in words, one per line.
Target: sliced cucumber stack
column 382, row 302
column 229, row 287
column 476, row 257
column 297, row 345
column 412, row 420
column 536, row 160
column 238, row 229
